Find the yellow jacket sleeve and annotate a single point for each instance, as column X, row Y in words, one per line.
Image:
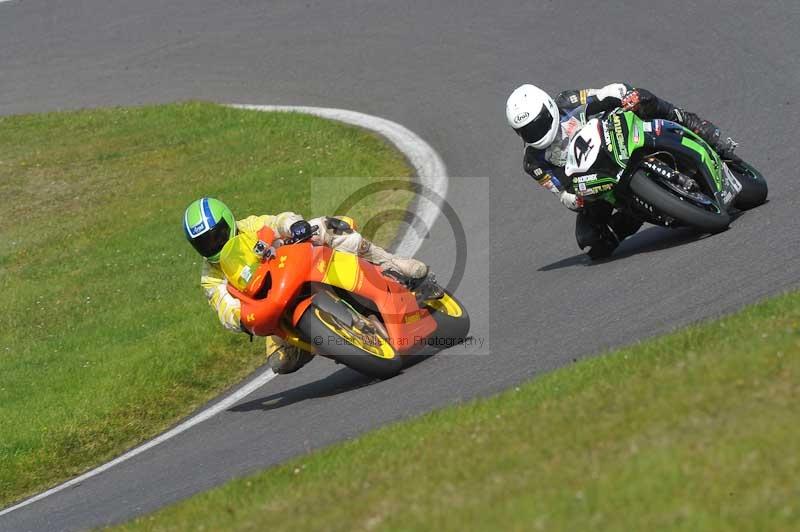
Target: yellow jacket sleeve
column 279, row 223
column 215, row 286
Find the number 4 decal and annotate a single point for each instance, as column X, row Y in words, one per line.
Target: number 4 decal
column 582, row 149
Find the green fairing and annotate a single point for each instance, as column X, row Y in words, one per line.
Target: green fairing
column 621, row 158
column 635, row 124
column 631, row 142
column 708, row 156
column 690, row 139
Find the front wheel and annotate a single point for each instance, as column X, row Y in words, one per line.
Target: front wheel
column 452, row 327
column 362, row 350
column 450, row 316
column 754, row 186
column 665, row 202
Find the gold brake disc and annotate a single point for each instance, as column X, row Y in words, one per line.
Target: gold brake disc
column 371, row 343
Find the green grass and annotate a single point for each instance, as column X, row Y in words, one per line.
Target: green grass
column 105, row 335
column 697, row 430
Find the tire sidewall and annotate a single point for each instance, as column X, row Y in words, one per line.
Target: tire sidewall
column 754, row 188
column 671, row 205
column 345, row 352
column 450, row 327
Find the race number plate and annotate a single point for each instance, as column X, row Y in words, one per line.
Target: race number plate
column 584, row 148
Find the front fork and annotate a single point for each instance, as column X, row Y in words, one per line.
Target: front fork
column 662, row 169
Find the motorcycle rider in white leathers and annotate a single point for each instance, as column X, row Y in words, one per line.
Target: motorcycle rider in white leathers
column 546, row 125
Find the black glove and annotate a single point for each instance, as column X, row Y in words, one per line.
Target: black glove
column 301, row 230
column 339, row 227
column 639, row 99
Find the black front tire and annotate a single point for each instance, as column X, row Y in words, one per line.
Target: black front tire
column 451, row 317
column 339, row 341
column 667, row 203
column 452, row 327
column 754, row 186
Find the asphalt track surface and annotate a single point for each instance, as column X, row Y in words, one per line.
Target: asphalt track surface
column 443, row 71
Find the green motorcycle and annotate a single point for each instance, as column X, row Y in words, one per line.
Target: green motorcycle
column 661, row 172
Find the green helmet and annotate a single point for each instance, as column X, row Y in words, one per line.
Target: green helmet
column 209, row 224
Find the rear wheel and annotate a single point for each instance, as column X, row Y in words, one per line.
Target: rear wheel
column 667, row 203
column 363, row 350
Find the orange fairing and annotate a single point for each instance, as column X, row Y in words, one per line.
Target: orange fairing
column 294, row 266
column 287, row 273
column 300, row 309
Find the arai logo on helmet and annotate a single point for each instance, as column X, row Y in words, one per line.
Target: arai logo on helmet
column 197, row 229
column 520, row 117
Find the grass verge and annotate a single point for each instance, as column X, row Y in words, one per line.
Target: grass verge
column 105, row 336
column 696, row 430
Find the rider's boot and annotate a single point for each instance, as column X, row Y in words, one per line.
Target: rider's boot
column 708, row 132
column 602, row 232
column 624, row 224
column 284, row 358
column 413, row 273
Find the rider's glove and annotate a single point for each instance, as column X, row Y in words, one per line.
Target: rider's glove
column 349, row 242
column 571, row 201
column 322, row 237
column 337, row 226
column 301, row 230
column 639, row 99
column 630, row 102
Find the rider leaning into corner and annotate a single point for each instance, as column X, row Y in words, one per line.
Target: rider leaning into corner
column 547, row 125
column 208, row 225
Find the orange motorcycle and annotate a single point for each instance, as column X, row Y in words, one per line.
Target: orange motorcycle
column 335, row 304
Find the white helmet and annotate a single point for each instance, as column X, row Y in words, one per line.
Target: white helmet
column 533, row 115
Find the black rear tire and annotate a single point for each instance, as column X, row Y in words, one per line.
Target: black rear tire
column 339, row 341
column 671, row 205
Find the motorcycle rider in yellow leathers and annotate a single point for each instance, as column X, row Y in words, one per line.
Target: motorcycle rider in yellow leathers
column 208, row 225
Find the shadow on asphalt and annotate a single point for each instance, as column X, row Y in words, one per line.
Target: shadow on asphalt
column 338, row 382
column 646, row 241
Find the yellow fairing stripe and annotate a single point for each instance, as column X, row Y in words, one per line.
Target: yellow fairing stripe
column 343, row 270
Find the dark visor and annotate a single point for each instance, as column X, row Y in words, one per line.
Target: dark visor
column 536, row 129
column 211, row 242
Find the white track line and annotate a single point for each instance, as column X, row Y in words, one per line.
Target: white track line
column 429, row 167
column 431, row 172
column 229, row 401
